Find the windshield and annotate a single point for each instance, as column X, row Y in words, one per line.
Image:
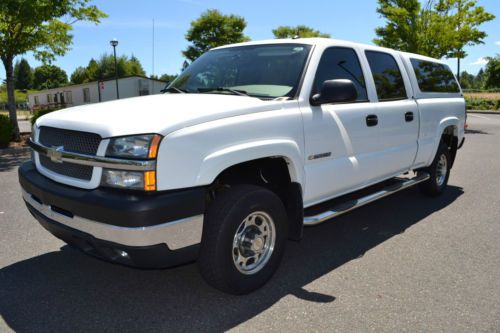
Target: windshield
column 264, row 71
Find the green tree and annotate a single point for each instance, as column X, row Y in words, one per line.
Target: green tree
column 23, row 75
column 167, row 77
column 467, row 80
column 403, row 28
column 79, row 75
column 438, row 28
column 213, row 29
column 91, row 70
column 479, row 80
column 104, row 69
column 492, row 72
column 49, row 76
column 135, row 67
column 463, row 18
column 300, row 30
column 39, row 26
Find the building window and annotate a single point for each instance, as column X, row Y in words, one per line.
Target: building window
column 55, row 98
column 143, row 87
column 37, row 101
column 49, row 99
column 86, row 95
column 68, row 97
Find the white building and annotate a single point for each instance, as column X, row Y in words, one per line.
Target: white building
column 94, row 92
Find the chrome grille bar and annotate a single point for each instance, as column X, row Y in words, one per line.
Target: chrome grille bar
column 95, row 161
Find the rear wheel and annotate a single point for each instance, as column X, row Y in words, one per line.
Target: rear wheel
column 439, row 172
column 244, row 238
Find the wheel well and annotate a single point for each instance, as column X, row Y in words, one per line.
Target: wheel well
column 273, row 174
column 270, row 171
column 450, row 139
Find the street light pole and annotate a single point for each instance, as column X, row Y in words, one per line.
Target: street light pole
column 114, row 43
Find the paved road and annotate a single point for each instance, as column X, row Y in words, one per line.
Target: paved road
column 406, row 263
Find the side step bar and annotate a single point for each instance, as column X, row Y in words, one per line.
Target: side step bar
column 345, row 207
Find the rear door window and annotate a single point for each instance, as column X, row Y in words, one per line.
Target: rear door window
column 387, row 76
column 341, row 63
column 434, row 77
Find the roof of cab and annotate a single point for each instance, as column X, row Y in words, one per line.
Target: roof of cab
column 327, row 42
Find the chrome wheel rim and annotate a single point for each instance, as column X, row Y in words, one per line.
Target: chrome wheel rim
column 253, row 243
column 442, row 169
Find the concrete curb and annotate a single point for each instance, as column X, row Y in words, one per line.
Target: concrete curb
column 14, row 150
column 483, row 112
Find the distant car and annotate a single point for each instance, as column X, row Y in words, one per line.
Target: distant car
column 249, row 144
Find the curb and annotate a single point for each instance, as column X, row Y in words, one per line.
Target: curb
column 483, row 112
column 14, row 150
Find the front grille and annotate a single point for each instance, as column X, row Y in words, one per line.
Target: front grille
column 71, row 141
column 83, row 172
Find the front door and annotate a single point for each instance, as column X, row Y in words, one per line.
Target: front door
column 339, row 138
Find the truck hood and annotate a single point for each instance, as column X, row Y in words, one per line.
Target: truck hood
column 160, row 114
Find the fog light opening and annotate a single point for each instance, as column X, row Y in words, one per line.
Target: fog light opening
column 122, row 254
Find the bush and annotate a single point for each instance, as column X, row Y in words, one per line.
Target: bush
column 482, row 104
column 5, row 130
column 40, row 113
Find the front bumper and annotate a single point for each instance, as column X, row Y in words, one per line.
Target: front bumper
column 138, row 229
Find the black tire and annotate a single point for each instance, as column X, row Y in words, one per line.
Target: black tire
column 435, row 186
column 223, row 219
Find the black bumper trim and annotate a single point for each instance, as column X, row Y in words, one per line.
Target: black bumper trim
column 114, row 207
column 153, row 256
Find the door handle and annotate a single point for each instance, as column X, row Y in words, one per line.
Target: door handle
column 371, row 120
column 408, row 116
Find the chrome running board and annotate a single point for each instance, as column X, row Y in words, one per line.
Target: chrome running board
column 345, row 207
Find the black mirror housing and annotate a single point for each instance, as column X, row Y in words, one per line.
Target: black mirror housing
column 335, row 91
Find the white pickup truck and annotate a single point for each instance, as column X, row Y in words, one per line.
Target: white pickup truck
column 249, row 144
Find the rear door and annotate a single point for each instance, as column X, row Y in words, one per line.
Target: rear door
column 397, row 113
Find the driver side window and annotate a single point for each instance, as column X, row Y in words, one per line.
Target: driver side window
column 341, row 63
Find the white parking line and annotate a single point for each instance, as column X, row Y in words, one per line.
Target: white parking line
column 489, row 120
column 477, row 116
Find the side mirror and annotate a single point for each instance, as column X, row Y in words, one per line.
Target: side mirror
column 335, row 91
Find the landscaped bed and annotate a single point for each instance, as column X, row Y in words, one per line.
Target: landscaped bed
column 483, row 100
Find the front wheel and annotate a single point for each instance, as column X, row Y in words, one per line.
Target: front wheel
column 439, row 172
column 244, row 238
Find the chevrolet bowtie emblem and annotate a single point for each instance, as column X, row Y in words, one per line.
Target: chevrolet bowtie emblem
column 55, row 153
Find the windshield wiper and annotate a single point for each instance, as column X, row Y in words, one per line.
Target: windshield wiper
column 174, row 90
column 233, row 91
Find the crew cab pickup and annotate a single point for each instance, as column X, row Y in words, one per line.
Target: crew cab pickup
column 248, row 145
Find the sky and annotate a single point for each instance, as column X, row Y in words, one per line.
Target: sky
column 131, row 22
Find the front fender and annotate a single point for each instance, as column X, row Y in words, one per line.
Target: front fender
column 220, row 160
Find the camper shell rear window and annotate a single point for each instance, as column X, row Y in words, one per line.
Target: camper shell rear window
column 434, row 77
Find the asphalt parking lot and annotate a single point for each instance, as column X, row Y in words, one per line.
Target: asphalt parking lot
column 405, row 263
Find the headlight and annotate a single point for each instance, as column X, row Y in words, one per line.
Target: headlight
column 132, row 147
column 133, row 180
column 137, row 147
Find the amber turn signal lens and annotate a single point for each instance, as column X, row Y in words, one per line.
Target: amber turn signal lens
column 150, row 181
column 153, row 147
